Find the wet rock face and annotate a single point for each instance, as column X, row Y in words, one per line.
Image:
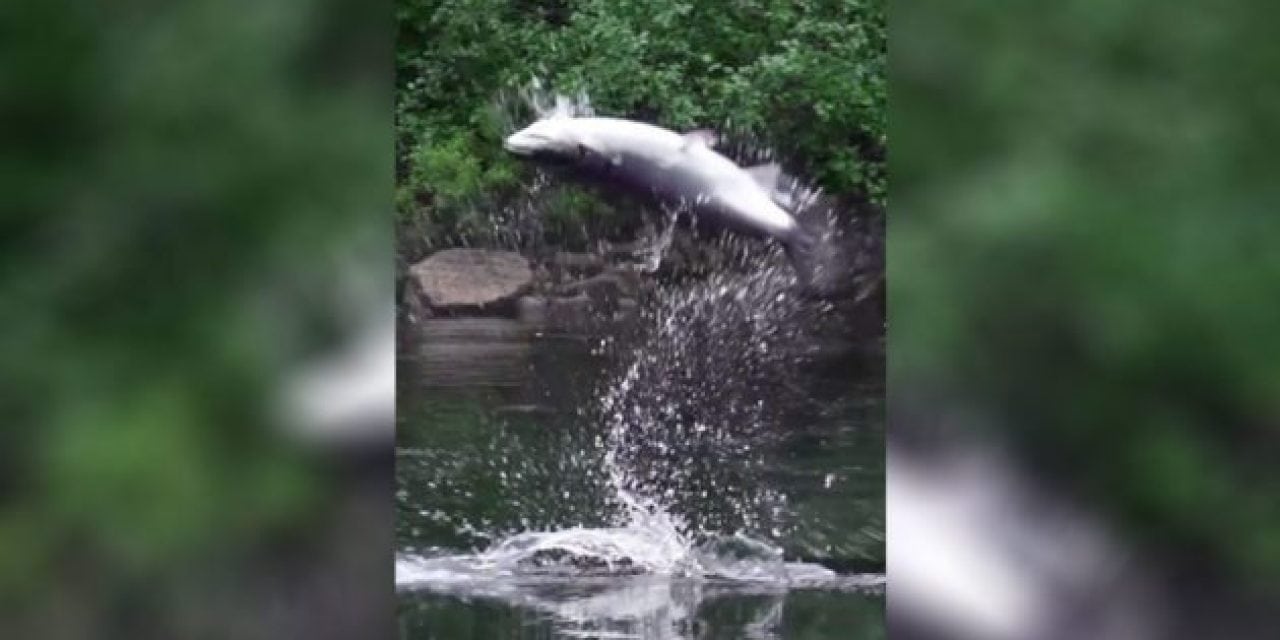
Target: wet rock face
column 470, row 279
column 532, row 310
column 565, row 265
column 573, row 314
column 604, row 289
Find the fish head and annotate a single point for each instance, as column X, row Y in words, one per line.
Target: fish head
column 558, row 140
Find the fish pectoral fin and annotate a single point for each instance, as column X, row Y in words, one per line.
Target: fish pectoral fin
column 703, row 137
column 589, row 143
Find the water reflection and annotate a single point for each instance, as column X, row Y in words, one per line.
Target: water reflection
column 642, row 607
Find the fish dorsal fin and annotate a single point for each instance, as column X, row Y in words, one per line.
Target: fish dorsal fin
column 703, row 137
column 766, row 175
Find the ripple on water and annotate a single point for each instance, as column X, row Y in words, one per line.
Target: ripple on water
column 577, row 554
column 622, row 583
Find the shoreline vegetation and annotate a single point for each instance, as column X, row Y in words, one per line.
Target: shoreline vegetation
column 805, row 79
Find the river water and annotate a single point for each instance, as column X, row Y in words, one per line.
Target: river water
column 711, row 468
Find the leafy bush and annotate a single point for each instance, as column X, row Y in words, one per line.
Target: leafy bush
column 807, row 78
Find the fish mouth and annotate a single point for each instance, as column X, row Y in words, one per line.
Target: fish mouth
column 523, row 144
column 516, row 148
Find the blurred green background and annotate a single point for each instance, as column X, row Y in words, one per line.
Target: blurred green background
column 185, row 185
column 1083, row 253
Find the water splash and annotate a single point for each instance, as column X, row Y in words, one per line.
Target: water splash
column 671, row 495
column 631, row 606
column 679, row 435
column 687, row 423
column 549, row 104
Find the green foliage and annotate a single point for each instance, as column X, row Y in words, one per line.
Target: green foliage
column 807, row 78
column 463, row 183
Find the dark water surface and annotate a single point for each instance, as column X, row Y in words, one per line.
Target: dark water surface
column 499, row 433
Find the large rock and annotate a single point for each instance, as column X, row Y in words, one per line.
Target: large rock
column 471, row 279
